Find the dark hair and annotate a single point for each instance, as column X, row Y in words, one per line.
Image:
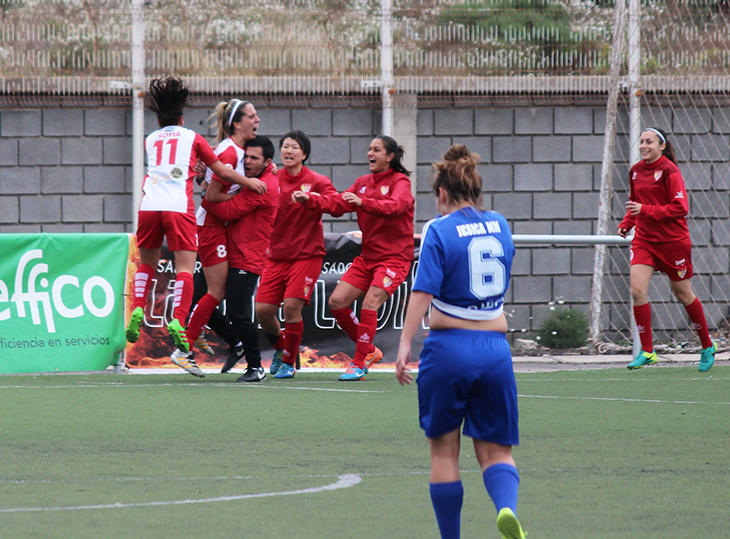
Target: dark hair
column 301, row 139
column 226, row 113
column 668, row 151
column 166, row 97
column 457, row 175
column 260, row 141
column 391, row 146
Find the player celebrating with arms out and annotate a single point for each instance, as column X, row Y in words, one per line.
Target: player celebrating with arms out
column 167, row 208
column 384, row 205
column 657, row 208
column 464, row 270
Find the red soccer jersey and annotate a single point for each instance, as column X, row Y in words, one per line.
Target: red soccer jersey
column 298, row 232
column 250, row 219
column 385, row 217
column 659, row 187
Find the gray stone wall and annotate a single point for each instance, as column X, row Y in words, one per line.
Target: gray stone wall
column 69, row 170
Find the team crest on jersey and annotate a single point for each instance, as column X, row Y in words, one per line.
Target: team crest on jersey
column 658, row 175
column 384, row 189
column 306, row 187
column 387, row 281
column 176, row 173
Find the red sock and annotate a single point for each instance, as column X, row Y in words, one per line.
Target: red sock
column 200, row 316
column 347, row 321
column 183, row 297
column 365, row 334
column 642, row 315
column 699, row 324
column 293, row 338
column 142, row 283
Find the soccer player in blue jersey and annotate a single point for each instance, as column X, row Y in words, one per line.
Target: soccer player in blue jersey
column 465, row 372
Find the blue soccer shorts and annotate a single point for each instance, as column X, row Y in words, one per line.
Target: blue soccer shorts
column 466, row 376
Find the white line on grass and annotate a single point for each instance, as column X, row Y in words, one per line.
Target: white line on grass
column 96, row 386
column 619, row 399
column 343, row 481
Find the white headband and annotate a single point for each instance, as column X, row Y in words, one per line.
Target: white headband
column 233, row 112
column 664, row 141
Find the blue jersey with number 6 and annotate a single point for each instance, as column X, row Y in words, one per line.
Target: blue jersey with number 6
column 465, row 263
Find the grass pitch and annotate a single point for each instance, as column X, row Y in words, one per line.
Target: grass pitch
column 604, row 454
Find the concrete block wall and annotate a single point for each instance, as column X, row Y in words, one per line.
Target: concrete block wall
column 69, row 170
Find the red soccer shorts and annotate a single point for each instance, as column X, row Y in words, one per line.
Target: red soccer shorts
column 387, row 275
column 212, row 245
column 673, row 257
column 288, row 280
column 180, row 229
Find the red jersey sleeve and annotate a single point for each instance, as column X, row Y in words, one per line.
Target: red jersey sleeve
column 242, row 204
column 326, row 199
column 203, row 150
column 677, row 196
column 227, row 157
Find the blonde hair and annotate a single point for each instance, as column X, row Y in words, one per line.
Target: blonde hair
column 226, row 113
column 457, row 175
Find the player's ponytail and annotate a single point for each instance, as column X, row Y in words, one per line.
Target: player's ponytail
column 457, row 175
column 166, row 98
column 391, row 146
column 225, row 115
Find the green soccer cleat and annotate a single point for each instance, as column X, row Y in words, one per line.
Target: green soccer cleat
column 508, row 524
column 707, row 357
column 643, row 358
column 135, row 321
column 276, row 361
column 177, row 332
column 354, row 374
column 285, row 371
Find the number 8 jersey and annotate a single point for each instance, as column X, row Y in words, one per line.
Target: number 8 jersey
column 171, row 155
column 465, row 263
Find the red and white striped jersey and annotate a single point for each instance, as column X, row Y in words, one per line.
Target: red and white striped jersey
column 230, row 154
column 171, row 154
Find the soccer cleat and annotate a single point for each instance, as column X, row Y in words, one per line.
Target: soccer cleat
column 235, row 353
column 508, row 524
column 707, row 358
column 276, row 361
column 177, row 332
column 285, row 371
column 373, row 357
column 643, row 358
column 185, row 360
column 135, row 321
column 202, row 344
column 354, row 373
column 252, row 374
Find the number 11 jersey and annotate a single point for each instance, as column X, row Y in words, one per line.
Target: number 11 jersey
column 466, row 262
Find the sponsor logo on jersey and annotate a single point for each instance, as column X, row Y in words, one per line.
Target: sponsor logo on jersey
column 362, row 189
column 389, row 272
column 384, row 189
column 306, row 187
column 176, row 173
column 633, row 176
column 658, row 175
column 679, row 194
column 680, row 262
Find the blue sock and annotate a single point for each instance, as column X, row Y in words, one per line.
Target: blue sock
column 447, row 499
column 502, row 482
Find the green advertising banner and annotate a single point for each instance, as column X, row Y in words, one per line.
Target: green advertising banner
column 61, row 301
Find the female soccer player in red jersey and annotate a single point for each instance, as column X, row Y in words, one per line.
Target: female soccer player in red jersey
column 384, row 204
column 237, row 123
column 167, row 208
column 465, row 372
column 657, row 209
column 296, row 251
